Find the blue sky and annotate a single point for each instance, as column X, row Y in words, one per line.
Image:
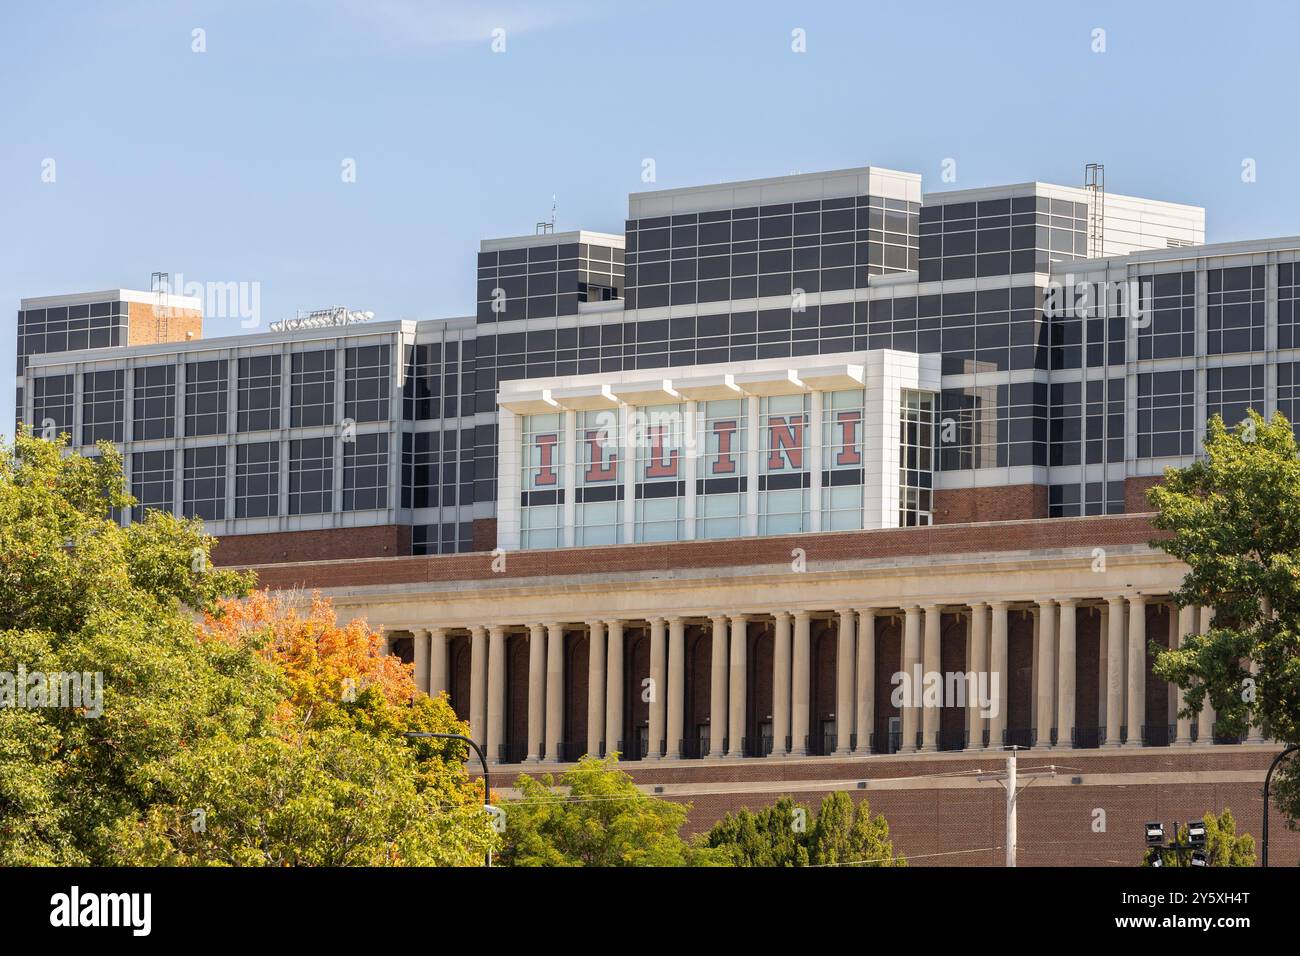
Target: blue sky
column 225, row 166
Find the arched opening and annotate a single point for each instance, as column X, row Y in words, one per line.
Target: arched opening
column 1020, row 680
column 402, row 646
column 952, row 660
column 1088, row 708
column 577, row 648
column 1157, row 730
column 636, row 709
column 758, row 717
column 887, row 734
column 515, row 745
column 699, row 691
column 458, row 675
column 821, row 720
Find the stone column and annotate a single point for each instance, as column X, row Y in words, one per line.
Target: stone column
column 1137, row 668
column 930, row 713
column 781, row 684
column 658, row 688
column 1186, row 625
column 737, row 694
column 1114, row 670
column 536, row 691
column 979, row 666
column 478, row 686
column 595, row 687
column 998, row 670
column 437, row 661
column 496, row 707
column 421, row 641
column 718, row 687
column 865, row 711
column 614, row 687
column 676, row 686
column 1046, row 672
column 1065, row 675
column 1205, row 719
column 844, row 675
column 554, row 690
column 911, row 664
column 800, row 687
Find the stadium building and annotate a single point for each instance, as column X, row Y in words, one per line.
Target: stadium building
column 729, row 492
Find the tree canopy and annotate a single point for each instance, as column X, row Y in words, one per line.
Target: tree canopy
column 781, row 835
column 594, row 815
column 1234, row 519
column 258, row 736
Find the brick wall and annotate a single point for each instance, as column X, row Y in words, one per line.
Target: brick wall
column 1003, row 503
column 484, row 534
column 146, row 326
column 1135, row 494
column 330, row 544
column 944, row 821
column 294, row 567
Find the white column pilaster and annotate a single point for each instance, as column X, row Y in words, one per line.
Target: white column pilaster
column 1065, row 673
column 1137, row 669
column 1046, row 673
column 478, row 686
column 718, row 687
column 800, row 689
column 844, row 679
column 1115, row 653
column 614, row 687
column 496, row 705
column 676, row 716
column 865, row 710
column 978, row 637
column 536, row 691
column 595, row 687
column 931, row 664
column 554, row 690
column 914, row 680
column 738, row 698
column 780, row 684
column 998, row 670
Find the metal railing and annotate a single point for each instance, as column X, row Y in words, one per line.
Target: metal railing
column 512, row 752
column 1018, row 737
column 951, row 739
column 1159, row 735
column 1087, row 738
column 692, row 748
column 1224, row 737
column 571, row 751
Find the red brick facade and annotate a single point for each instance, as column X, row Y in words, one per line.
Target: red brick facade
column 1090, row 814
column 1002, row 503
column 331, row 544
column 282, row 564
column 1135, row 494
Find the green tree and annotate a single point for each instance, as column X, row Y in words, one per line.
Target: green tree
column 197, row 752
column 594, row 815
column 1222, row 845
column 1234, row 519
column 780, row 835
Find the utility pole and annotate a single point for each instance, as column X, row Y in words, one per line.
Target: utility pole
column 1009, row 779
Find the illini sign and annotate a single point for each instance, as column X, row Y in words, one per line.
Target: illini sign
column 661, row 438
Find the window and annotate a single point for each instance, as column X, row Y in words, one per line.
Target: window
column 365, row 472
column 657, row 433
column 311, row 476
column 599, row 489
column 367, row 378
column 154, row 403
column 1168, row 328
column 1235, row 310
column 152, row 482
column 257, row 480
column 542, row 485
column 721, row 481
column 101, row 406
column 842, row 424
column 52, row 404
column 311, row 389
column 259, row 393
column 1232, row 390
column 205, row 483
column 1166, row 414
column 206, row 386
column 784, row 479
column 915, row 458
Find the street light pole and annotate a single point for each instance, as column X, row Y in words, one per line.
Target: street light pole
column 1268, row 781
column 487, row 787
column 1009, row 779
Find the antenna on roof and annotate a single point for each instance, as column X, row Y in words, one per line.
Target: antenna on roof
column 545, row 227
column 1094, row 180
